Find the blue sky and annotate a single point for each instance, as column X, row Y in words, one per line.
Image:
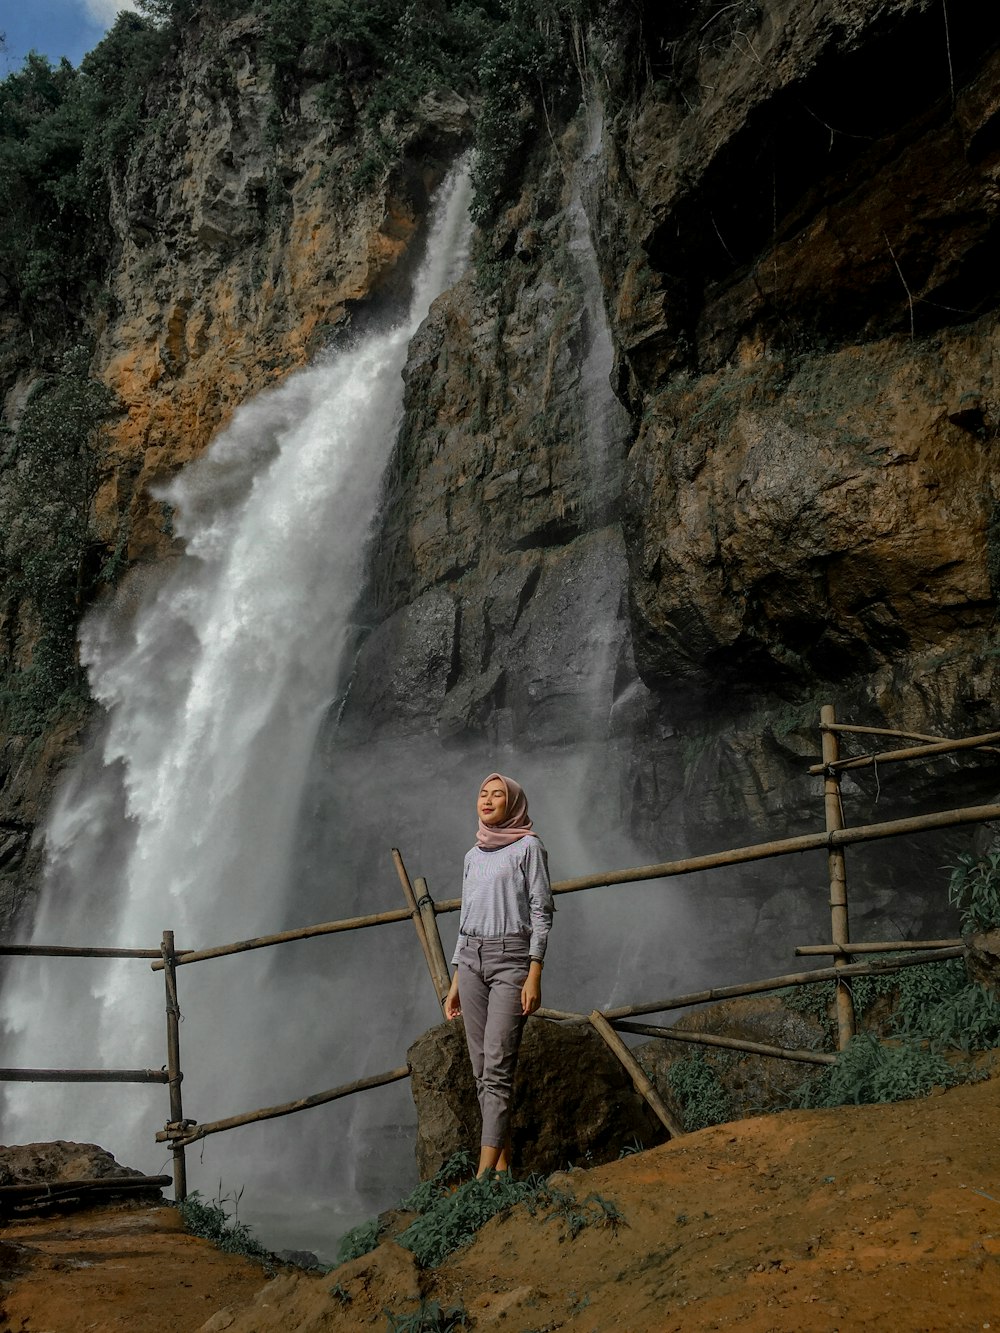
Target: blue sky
column 53, row 27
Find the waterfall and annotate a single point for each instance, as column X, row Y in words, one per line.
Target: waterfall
column 217, row 799
column 182, row 812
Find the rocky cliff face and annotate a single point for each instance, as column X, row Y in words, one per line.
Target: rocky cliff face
column 793, row 209
column 792, row 214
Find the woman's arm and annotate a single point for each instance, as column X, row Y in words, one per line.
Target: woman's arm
column 531, row 991
column 540, row 906
column 452, row 1004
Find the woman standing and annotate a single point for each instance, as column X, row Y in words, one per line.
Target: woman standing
column 506, row 916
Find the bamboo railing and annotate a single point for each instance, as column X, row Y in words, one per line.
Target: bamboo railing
column 422, row 911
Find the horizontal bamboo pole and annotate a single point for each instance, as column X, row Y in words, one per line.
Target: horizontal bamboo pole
column 84, row 1076
column 641, row 1081
column 881, row 731
column 286, row 937
column 810, row 978
column 109, row 1183
column 914, row 752
column 728, row 1043
column 886, row 946
column 286, row 1108
column 806, row 842
column 886, row 731
column 791, row 979
column 68, row 951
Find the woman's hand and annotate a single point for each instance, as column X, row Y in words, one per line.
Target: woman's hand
column 452, row 1004
column 531, row 991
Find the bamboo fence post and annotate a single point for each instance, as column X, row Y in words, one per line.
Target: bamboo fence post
column 440, row 971
column 836, row 862
column 418, row 921
column 642, row 1083
column 174, row 1062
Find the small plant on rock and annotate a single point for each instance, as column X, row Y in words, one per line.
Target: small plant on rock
column 974, row 888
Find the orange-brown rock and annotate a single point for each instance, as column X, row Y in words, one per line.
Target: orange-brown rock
column 249, row 256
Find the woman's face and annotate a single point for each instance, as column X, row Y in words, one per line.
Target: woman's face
column 492, row 803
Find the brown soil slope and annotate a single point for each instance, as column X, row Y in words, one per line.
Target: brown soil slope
column 871, row 1218
column 876, row 1218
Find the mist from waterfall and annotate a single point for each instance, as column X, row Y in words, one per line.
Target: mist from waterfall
column 182, row 812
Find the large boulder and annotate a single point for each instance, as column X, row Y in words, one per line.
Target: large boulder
column 982, row 958
column 58, row 1163
column 573, row 1102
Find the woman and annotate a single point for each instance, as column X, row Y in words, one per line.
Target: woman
column 506, row 915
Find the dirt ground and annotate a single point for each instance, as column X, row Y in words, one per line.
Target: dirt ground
column 126, row 1266
column 874, row 1218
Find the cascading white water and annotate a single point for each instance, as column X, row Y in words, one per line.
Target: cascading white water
column 182, row 813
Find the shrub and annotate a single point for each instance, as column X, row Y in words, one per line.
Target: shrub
column 211, row 1221
column 358, row 1241
column 453, row 1219
column 974, row 888
column 868, row 1071
column 695, row 1081
column 450, row 1216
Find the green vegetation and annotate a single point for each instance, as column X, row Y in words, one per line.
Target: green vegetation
column 869, row 1071
column 359, row 1240
column 695, row 1082
column 934, row 1003
column 67, row 134
column 577, row 1214
column 934, row 1018
column 450, row 1213
column 428, row 1317
column 935, row 1011
column 64, row 133
column 974, row 888
column 211, row 1221
column 52, row 559
column 452, row 1219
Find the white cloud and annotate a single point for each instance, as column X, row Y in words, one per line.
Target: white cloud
column 105, row 12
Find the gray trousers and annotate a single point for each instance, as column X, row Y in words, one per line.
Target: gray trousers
column 491, row 973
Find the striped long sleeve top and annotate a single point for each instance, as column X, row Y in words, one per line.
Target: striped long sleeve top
column 506, row 892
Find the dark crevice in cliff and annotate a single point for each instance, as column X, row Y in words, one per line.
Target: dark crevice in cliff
column 527, row 591
column 557, row 532
column 455, row 669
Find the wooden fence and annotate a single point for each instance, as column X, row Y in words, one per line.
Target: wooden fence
column 423, row 911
